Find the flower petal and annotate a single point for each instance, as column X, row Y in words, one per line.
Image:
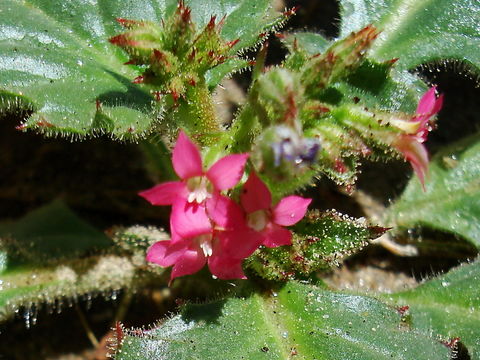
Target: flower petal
column 290, row 210
column 226, row 268
column 240, row 244
column 255, row 195
column 276, row 236
column 225, row 212
column 166, row 253
column 189, row 219
column 227, row 171
column 191, row 261
column 165, row 194
column 416, row 154
column 438, row 105
column 186, row 158
column 427, row 102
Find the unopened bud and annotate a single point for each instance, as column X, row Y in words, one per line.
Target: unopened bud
column 340, row 59
column 279, row 93
column 283, row 153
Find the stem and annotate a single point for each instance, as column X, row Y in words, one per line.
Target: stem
column 201, row 118
column 123, row 306
column 244, row 130
column 86, row 327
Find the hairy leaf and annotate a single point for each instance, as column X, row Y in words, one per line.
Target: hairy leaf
column 373, row 84
column 52, row 256
column 418, row 32
column 448, row 306
column 56, row 60
column 321, row 240
column 297, row 322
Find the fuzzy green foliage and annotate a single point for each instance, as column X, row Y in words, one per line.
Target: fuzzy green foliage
column 451, row 200
column 418, row 32
column 51, row 257
column 448, row 305
column 348, row 99
column 56, row 61
column 176, row 56
column 334, row 74
column 296, row 322
column 331, row 93
column 321, row 240
column 372, row 84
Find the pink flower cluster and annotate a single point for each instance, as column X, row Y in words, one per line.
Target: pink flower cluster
column 206, row 226
column 411, row 144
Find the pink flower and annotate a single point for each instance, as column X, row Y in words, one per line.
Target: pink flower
column 189, row 255
column 411, row 144
column 188, row 196
column 259, row 222
column 209, row 228
column 237, row 238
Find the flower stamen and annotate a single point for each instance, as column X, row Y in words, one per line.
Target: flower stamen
column 199, row 189
column 205, row 242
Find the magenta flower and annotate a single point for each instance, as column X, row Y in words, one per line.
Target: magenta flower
column 428, row 106
column 188, row 196
column 222, row 246
column 209, row 228
column 237, row 238
column 411, row 144
column 189, row 255
column 259, row 223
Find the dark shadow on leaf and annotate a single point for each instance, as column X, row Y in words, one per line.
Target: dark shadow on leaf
column 370, row 77
column 211, row 312
column 133, row 98
column 205, row 313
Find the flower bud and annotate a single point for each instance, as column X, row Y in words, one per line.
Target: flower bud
column 278, row 92
column 174, row 54
column 283, row 153
column 339, row 60
column 140, row 41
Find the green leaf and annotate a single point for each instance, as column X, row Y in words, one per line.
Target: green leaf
column 418, row 32
column 311, row 43
column 51, row 232
column 451, row 200
column 297, row 322
column 51, row 256
column 448, row 305
column 321, row 240
column 56, row 60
